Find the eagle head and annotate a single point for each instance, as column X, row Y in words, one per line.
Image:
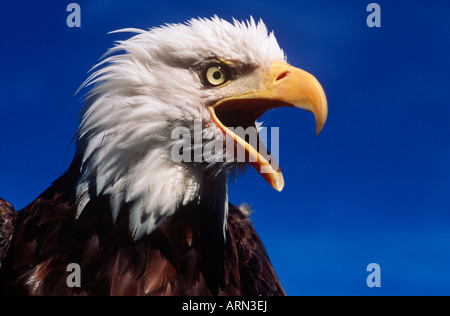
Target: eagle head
column 164, row 99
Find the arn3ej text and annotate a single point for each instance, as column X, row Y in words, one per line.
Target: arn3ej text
column 232, row 305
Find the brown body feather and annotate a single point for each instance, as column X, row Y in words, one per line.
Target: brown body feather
column 7, row 223
column 181, row 257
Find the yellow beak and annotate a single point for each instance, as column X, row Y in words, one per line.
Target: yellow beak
column 284, row 85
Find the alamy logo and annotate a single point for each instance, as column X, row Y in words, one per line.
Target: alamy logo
column 74, row 277
column 374, row 18
column 74, row 18
column 374, row 278
column 209, row 145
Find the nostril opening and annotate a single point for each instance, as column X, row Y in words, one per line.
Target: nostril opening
column 282, row 75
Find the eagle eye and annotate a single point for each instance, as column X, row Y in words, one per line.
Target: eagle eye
column 215, row 74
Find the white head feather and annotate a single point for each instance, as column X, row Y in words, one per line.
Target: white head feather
column 144, row 88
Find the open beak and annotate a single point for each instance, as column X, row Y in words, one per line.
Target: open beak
column 284, row 85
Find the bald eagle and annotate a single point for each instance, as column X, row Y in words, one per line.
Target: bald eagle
column 134, row 219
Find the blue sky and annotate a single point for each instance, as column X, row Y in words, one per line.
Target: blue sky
column 374, row 186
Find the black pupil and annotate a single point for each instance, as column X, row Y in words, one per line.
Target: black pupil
column 217, row 75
